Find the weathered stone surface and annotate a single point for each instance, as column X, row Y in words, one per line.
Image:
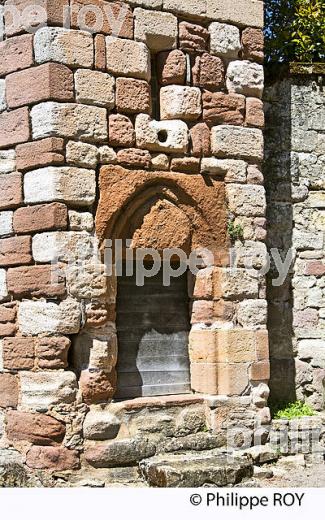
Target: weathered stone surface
column 95, row 88
column 192, row 8
column 193, row 38
column 7, row 329
column 18, row 353
column 97, row 386
column 225, row 40
column 73, row 48
column 253, row 44
column 81, row 221
column 39, row 390
column 16, row 54
column 177, row 102
column 8, row 391
column 208, row 72
column 185, row 164
column 243, row 12
column 107, row 155
column 160, row 161
column 245, row 77
column 260, row 371
column 38, row 13
column 11, row 190
column 161, row 135
column 69, row 246
column 235, row 284
column 35, row 428
column 3, row 104
column 200, row 140
column 133, row 96
column 40, row 218
column 252, row 313
column 52, row 353
column 254, row 112
column 115, row 18
column 40, row 153
column 237, row 142
column 228, row 169
column 312, row 350
column 15, row 251
column 134, row 158
column 7, row 161
column 121, row 131
column 128, row 58
column 40, row 317
column 3, row 285
column 101, row 425
column 86, row 281
column 158, row 30
column 14, row 127
column 120, row 453
column 246, row 200
column 220, row 108
column 74, row 186
column 171, row 67
column 7, row 312
column 82, row 154
column 43, row 83
column 83, row 122
column 36, row 281
column 100, row 52
column 52, row 458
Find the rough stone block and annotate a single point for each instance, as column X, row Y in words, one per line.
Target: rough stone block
column 7, row 161
column 8, row 391
column 95, row 88
column 229, row 170
column 15, row 251
column 40, row 390
column 82, row 154
column 193, row 38
column 7, row 313
column 171, row 67
column 190, row 8
column 232, row 378
column 70, row 120
column 252, row 313
column 35, row 428
column 18, row 353
column 260, row 371
column 6, row 227
column 122, row 452
column 65, row 246
column 185, row 164
column 101, row 425
column 52, row 458
column 128, row 58
column 200, row 140
column 307, row 239
column 43, row 217
column 107, row 155
column 121, row 131
column 178, row 102
column 220, row 108
column 43, row 83
column 235, row 284
column 115, row 18
column 208, row 72
column 169, row 136
column 36, row 281
column 81, row 221
column 241, row 12
column 134, row 158
column 97, row 386
column 253, row 44
column 16, row 54
column 245, row 77
column 73, row 48
column 14, row 127
column 3, row 103
column 47, row 12
column 204, row 378
column 52, row 353
column 254, row 112
column 3, row 285
column 40, row 317
column 86, row 281
column 133, row 96
column 10, row 190
column 224, row 40
column 158, row 30
column 46, row 152
column 233, row 141
column 74, row 186
column 246, row 200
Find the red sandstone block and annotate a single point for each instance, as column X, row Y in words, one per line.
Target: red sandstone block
column 16, row 54
column 52, row 458
column 116, row 22
column 100, row 52
column 260, row 371
column 121, row 131
column 11, row 190
column 52, row 353
column 253, row 44
column 35, row 281
column 134, row 158
column 34, row 427
column 8, row 391
column 133, row 95
column 193, row 37
column 14, row 127
column 15, row 251
column 255, row 112
column 223, row 109
column 315, row 268
column 50, row 81
column 18, row 353
column 7, row 329
column 171, row 67
column 40, row 153
column 52, row 13
column 43, row 217
column 7, row 312
column 201, row 140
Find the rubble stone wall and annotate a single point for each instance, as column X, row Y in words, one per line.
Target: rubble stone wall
column 152, row 120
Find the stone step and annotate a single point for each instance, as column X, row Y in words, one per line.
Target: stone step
column 195, row 470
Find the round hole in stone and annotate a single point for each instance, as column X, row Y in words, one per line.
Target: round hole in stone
column 162, row 136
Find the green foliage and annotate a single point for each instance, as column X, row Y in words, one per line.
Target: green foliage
column 235, row 232
column 292, row 410
column 295, row 30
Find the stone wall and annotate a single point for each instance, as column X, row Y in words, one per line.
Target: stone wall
column 156, row 112
column 294, row 173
